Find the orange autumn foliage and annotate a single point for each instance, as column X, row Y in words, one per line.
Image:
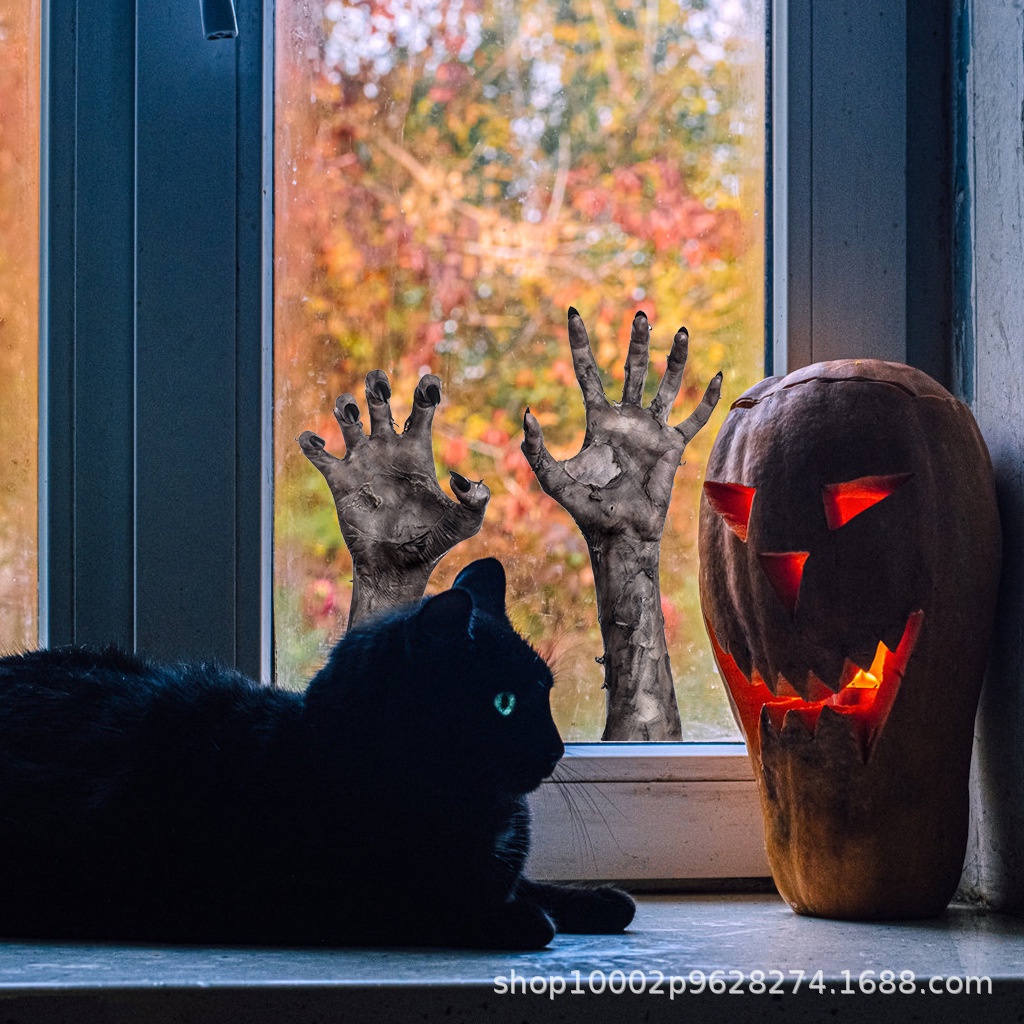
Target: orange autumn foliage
column 441, row 199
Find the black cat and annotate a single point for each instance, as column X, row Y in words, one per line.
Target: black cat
column 384, row 806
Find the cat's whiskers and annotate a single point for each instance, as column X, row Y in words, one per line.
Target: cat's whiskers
column 579, row 831
column 578, row 796
column 589, row 792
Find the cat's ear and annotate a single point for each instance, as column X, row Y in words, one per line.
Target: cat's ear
column 446, row 614
column 484, row 579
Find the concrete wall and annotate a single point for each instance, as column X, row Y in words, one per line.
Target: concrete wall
column 990, row 294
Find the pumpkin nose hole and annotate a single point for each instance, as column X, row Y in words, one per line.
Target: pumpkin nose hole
column 785, row 570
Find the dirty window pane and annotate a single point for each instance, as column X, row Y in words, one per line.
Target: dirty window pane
column 451, row 176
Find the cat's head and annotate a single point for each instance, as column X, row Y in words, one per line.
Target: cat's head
column 497, row 685
column 451, row 688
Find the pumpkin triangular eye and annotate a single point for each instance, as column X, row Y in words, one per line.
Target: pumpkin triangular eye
column 732, row 502
column 845, row 501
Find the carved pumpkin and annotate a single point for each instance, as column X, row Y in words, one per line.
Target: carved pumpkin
column 850, row 547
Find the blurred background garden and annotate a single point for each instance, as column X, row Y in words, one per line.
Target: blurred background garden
column 19, row 316
column 451, row 175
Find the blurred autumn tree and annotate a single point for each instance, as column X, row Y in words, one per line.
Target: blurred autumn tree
column 19, row 292
column 451, row 176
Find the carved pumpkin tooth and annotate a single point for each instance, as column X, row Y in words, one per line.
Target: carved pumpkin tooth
column 795, row 728
column 765, row 727
column 839, row 732
column 798, row 684
column 828, row 666
column 816, row 689
column 784, row 688
column 863, row 658
column 891, row 637
column 850, row 669
column 740, row 653
column 756, row 680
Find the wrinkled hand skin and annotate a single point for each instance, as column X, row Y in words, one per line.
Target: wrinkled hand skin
column 394, row 517
column 618, row 489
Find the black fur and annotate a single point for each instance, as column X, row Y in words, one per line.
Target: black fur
column 385, row 805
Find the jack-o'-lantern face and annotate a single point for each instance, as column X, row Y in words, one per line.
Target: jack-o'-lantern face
column 849, row 547
column 867, row 682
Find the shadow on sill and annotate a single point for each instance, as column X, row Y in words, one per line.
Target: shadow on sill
column 681, row 950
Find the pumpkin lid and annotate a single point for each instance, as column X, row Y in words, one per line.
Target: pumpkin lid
column 914, row 382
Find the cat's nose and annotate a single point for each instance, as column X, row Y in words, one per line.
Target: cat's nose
column 554, row 756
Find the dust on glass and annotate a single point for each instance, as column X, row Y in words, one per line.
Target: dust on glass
column 451, row 176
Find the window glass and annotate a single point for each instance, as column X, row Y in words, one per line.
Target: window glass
column 451, row 176
column 19, row 336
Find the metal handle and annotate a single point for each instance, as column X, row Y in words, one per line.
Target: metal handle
column 219, row 20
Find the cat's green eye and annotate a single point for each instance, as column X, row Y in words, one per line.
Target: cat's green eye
column 505, row 703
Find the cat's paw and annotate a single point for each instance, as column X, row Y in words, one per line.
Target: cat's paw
column 582, row 909
column 521, row 925
column 601, row 910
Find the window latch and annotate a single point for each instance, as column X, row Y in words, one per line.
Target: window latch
column 219, row 20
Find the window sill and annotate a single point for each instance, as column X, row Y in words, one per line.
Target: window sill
column 673, row 935
column 649, row 813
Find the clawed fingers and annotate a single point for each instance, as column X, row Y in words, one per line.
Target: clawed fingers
column 533, row 443
column 673, row 379
column 314, row 448
column 464, row 518
column 378, row 401
column 346, row 412
column 584, row 363
column 474, row 494
column 425, row 401
column 312, row 444
column 637, row 359
column 689, row 427
column 551, row 474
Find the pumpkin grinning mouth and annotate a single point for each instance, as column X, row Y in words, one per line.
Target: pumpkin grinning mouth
column 863, row 697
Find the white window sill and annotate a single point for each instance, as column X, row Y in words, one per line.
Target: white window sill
column 664, row 815
column 673, row 935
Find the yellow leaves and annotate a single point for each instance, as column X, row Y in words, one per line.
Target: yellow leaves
column 342, row 260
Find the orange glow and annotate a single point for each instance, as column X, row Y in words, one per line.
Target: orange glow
column 845, row 501
column 863, row 686
column 732, row 502
column 865, row 697
column 785, row 570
